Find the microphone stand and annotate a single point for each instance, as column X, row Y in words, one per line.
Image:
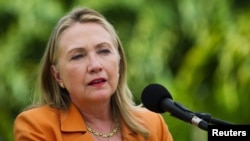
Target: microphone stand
column 204, row 116
column 207, row 117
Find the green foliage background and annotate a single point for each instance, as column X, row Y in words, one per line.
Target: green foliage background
column 199, row 50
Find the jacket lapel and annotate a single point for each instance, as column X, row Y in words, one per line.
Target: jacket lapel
column 72, row 122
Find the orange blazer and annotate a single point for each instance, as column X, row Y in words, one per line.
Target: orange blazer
column 50, row 124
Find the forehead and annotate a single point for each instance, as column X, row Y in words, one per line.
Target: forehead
column 84, row 29
column 80, row 33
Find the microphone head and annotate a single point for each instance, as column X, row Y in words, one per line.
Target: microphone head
column 152, row 95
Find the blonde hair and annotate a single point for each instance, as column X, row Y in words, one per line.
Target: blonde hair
column 53, row 95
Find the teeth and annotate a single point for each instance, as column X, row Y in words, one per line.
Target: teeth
column 97, row 81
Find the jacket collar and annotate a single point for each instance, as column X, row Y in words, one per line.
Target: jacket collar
column 71, row 120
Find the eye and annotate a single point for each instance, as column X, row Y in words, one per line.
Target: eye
column 77, row 57
column 104, row 51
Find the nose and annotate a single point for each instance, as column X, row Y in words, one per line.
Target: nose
column 94, row 64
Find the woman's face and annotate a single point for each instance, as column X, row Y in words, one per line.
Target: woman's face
column 88, row 63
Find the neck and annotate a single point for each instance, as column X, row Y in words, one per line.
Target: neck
column 97, row 112
column 102, row 128
column 95, row 109
column 100, row 119
column 98, row 116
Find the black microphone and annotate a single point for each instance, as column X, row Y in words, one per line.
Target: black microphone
column 156, row 98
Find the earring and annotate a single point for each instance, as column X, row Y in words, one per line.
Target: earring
column 62, row 85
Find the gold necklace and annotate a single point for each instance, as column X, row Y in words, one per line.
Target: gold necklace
column 108, row 135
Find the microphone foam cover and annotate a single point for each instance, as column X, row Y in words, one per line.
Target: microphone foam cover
column 152, row 95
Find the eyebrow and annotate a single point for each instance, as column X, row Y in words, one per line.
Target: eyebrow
column 82, row 49
column 76, row 49
column 103, row 43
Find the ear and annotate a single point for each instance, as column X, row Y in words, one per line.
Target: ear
column 56, row 74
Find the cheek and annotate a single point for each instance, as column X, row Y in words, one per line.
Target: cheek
column 72, row 75
column 118, row 62
column 116, row 72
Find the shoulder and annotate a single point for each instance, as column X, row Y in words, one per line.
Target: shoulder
column 39, row 117
column 37, row 124
column 147, row 115
column 154, row 123
column 38, row 113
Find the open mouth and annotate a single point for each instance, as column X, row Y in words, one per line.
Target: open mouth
column 97, row 81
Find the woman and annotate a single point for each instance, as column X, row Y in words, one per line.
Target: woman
column 84, row 93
